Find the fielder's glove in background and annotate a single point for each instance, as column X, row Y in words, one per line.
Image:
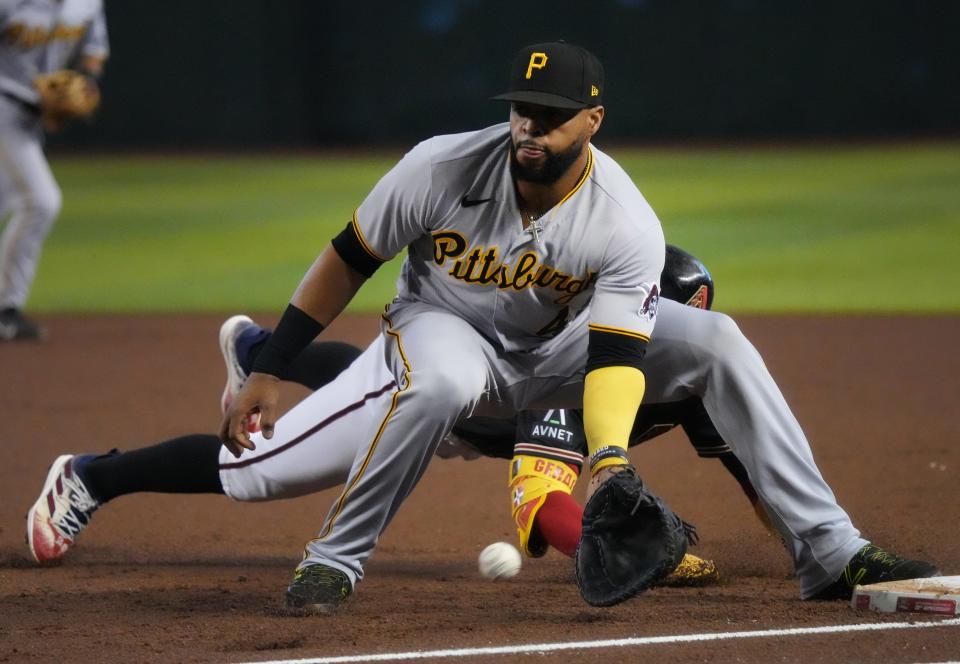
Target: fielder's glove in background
column 630, row 540
column 66, row 95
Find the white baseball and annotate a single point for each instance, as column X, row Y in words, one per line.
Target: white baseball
column 499, row 561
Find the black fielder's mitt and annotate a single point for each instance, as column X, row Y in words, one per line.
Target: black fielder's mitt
column 630, row 540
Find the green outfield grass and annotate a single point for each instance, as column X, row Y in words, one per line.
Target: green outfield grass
column 789, row 229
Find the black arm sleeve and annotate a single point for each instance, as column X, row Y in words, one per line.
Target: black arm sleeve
column 350, row 249
column 295, row 330
column 609, row 349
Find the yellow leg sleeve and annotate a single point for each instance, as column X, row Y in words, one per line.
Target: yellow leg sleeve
column 531, row 479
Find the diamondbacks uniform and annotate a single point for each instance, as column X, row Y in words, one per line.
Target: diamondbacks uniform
column 36, row 37
column 558, row 434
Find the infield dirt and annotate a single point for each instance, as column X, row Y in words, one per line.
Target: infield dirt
column 200, row 578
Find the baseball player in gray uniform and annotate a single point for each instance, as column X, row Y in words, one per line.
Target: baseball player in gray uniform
column 37, row 37
column 511, row 232
column 531, row 281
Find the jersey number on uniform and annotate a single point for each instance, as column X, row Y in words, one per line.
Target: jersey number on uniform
column 554, row 327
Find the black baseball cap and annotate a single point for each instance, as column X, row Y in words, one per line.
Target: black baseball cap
column 556, row 74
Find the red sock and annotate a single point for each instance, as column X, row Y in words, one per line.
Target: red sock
column 559, row 521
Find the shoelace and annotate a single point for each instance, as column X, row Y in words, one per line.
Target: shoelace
column 80, row 505
column 882, row 557
column 690, row 532
column 324, row 575
column 80, row 497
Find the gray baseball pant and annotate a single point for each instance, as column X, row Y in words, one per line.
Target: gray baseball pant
column 29, row 200
column 378, row 424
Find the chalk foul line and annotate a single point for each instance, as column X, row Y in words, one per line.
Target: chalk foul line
column 614, row 643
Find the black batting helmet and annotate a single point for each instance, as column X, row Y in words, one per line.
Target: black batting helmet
column 685, row 279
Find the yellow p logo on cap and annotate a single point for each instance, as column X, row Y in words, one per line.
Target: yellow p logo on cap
column 537, row 61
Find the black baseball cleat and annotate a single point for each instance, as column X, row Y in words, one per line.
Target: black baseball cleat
column 317, row 589
column 14, row 326
column 871, row 564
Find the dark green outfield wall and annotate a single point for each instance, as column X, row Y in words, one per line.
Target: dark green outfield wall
column 293, row 72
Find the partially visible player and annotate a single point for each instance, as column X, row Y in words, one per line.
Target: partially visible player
column 37, row 38
column 76, row 486
column 549, row 516
column 546, row 447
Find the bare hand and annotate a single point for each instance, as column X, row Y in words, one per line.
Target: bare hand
column 602, row 476
column 259, row 396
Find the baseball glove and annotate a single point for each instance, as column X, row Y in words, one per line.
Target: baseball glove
column 630, row 540
column 66, row 95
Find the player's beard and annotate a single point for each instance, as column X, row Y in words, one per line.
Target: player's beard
column 553, row 167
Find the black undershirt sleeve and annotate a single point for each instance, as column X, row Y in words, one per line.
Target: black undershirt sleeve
column 348, row 246
column 609, row 349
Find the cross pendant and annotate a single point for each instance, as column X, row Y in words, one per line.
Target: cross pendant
column 535, row 227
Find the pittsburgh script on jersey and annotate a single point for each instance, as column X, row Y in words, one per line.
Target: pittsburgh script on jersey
column 26, row 36
column 482, row 266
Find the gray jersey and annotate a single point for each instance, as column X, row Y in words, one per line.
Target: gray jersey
column 41, row 36
column 451, row 201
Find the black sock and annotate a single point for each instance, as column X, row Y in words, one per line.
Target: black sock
column 189, row 464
